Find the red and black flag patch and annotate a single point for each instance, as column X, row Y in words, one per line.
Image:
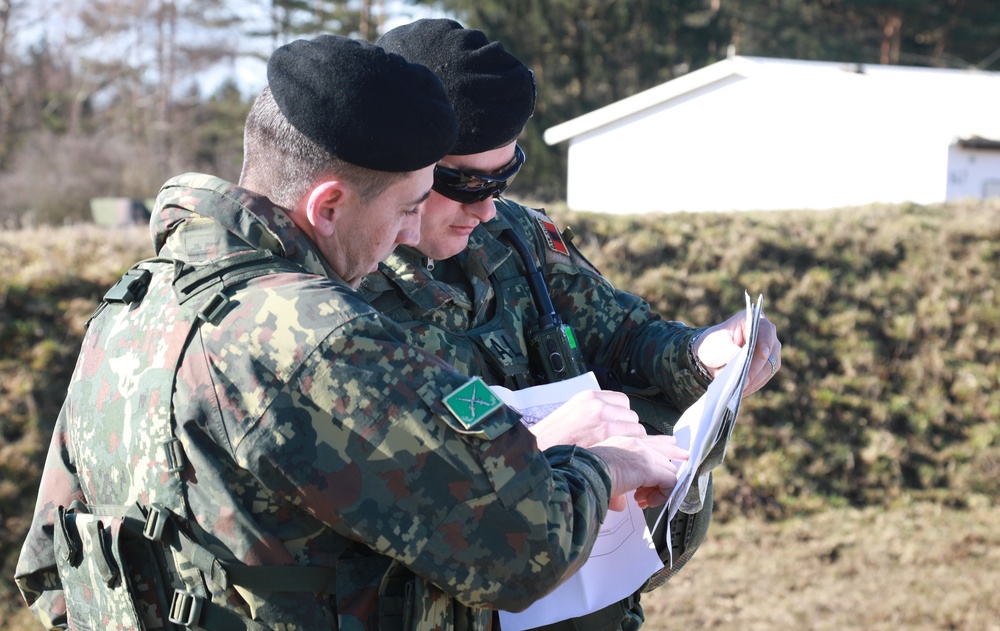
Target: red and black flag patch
column 552, row 236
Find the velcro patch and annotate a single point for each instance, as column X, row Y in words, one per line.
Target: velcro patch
column 471, row 403
column 552, row 236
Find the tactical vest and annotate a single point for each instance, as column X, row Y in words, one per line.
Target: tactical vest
column 494, row 347
column 132, row 554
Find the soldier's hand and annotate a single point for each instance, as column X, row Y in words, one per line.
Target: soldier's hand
column 718, row 344
column 644, row 464
column 587, row 419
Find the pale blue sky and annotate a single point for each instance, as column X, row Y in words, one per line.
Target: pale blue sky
column 34, row 22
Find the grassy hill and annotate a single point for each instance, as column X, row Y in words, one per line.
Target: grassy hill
column 887, row 402
column 889, row 319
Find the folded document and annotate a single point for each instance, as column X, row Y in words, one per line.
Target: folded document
column 624, row 555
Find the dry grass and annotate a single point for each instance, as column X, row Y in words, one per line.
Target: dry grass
column 888, row 402
column 919, row 568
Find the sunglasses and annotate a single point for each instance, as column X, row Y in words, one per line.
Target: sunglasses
column 466, row 187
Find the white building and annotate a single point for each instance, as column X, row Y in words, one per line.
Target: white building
column 752, row 133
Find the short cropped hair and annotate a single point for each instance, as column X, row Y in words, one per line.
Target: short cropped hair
column 283, row 164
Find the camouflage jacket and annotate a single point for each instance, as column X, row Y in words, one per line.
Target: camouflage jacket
column 475, row 309
column 475, row 315
column 313, row 436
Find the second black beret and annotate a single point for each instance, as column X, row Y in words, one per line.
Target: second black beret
column 493, row 93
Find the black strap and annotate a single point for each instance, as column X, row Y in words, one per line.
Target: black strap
column 191, row 611
column 159, row 524
column 547, row 316
column 191, row 279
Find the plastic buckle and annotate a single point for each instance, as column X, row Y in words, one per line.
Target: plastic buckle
column 185, row 608
column 131, row 287
column 214, row 308
column 175, row 454
column 156, row 521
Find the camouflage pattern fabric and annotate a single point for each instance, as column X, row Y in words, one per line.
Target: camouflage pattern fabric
column 473, row 310
column 312, row 435
column 97, row 549
column 628, row 345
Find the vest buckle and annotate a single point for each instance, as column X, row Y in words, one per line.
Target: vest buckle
column 185, row 608
column 156, row 521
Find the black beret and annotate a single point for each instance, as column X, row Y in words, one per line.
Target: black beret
column 493, row 93
column 362, row 104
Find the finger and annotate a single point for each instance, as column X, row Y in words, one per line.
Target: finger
column 757, row 378
column 618, row 503
column 608, row 404
column 651, row 496
column 624, row 428
column 762, row 376
column 677, row 453
column 613, row 397
column 666, row 445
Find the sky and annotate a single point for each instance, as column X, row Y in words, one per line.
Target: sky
column 250, row 73
column 35, row 22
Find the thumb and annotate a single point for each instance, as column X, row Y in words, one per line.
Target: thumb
column 717, row 351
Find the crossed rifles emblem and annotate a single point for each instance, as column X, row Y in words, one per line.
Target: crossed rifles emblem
column 472, row 402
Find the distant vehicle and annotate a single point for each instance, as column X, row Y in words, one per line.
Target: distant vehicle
column 119, row 211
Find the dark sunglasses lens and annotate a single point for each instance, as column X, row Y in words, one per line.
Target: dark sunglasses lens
column 469, row 188
column 466, row 195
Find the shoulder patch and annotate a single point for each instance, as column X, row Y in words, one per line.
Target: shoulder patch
column 471, row 403
column 552, row 237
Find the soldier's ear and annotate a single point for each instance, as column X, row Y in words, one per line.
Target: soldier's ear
column 324, row 204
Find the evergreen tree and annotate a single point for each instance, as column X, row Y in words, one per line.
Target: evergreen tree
column 589, row 53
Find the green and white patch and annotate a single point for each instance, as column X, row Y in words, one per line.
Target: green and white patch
column 471, row 403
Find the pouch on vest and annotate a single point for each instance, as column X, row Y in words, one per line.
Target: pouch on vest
column 409, row 603
column 98, row 585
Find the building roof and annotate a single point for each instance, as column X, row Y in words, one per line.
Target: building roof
column 975, row 142
column 974, row 88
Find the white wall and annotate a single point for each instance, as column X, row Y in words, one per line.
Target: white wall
column 973, row 173
column 771, row 142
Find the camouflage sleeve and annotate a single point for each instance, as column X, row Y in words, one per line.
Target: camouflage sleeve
column 360, row 438
column 35, row 573
column 616, row 330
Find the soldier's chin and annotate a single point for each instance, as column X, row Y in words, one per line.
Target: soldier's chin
column 456, row 246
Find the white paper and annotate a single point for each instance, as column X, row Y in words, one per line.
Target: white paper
column 705, row 423
column 623, row 556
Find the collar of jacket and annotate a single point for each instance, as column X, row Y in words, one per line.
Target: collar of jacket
column 407, row 267
column 200, row 217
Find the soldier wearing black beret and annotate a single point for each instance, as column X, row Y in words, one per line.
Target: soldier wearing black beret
column 468, row 293
column 247, row 444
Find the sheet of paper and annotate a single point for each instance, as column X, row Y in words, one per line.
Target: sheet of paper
column 623, row 556
column 711, row 418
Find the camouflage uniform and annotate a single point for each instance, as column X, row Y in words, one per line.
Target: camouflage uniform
column 308, row 435
column 474, row 310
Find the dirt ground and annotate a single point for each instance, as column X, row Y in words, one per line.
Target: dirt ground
column 913, row 569
column 919, row 568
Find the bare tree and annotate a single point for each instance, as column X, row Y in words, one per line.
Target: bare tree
column 6, row 105
column 140, row 58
